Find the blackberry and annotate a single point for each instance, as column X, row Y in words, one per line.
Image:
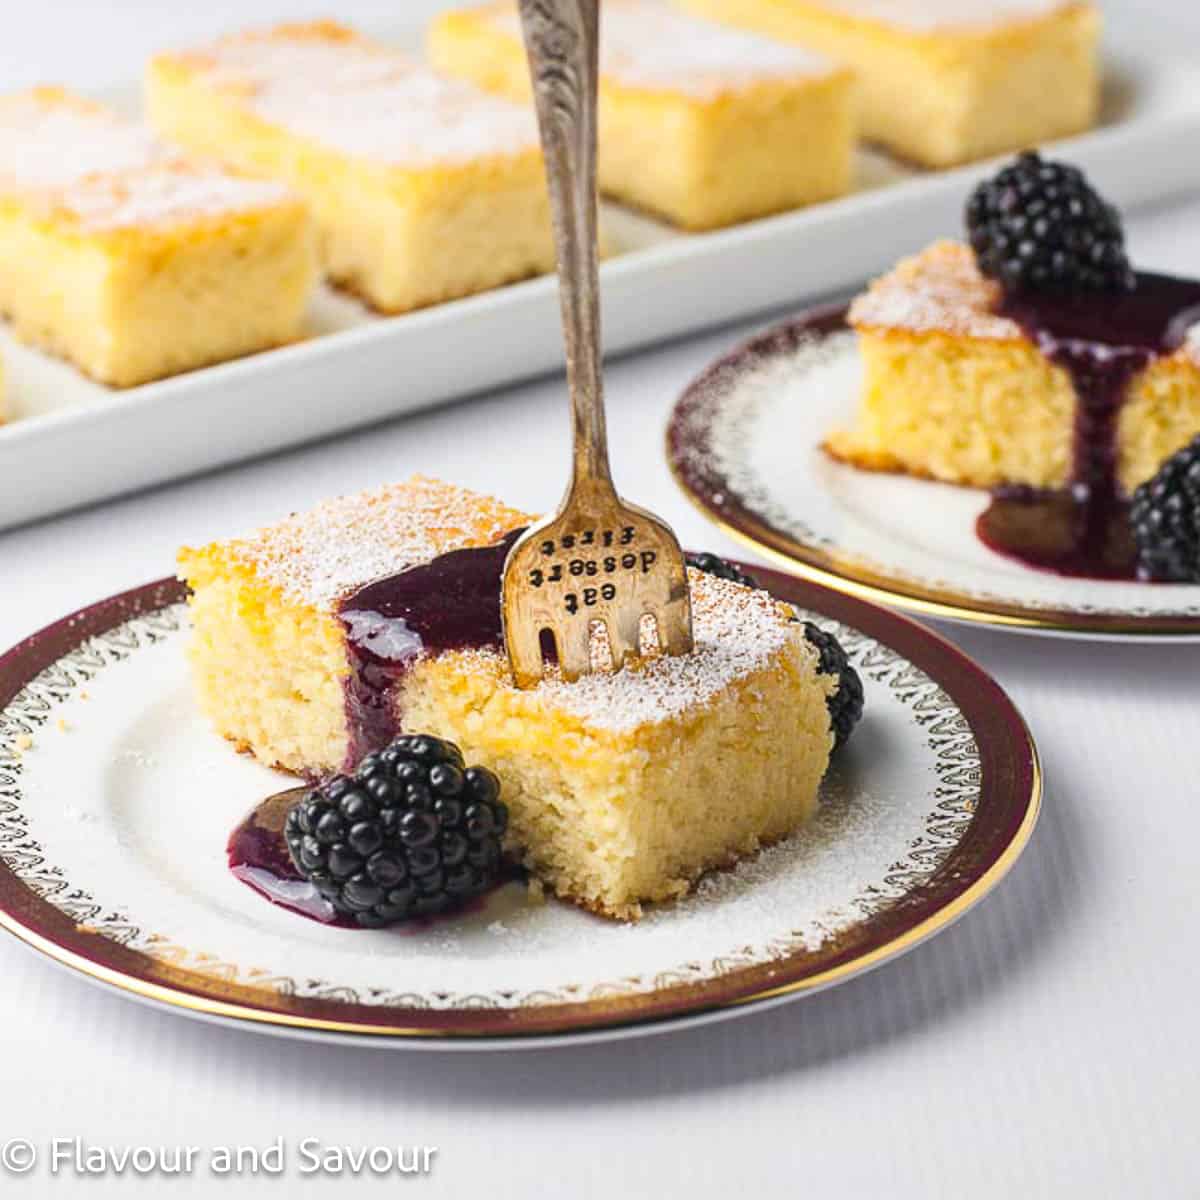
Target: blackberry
column 1165, row 516
column 413, row 832
column 846, row 704
column 710, row 564
column 1039, row 226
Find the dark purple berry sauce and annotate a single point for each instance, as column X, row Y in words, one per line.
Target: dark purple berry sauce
column 258, row 856
column 1102, row 341
column 449, row 603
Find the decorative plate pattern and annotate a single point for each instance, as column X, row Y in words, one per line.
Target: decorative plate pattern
column 744, row 444
column 95, row 911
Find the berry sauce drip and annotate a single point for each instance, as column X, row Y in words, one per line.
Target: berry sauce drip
column 1102, row 340
column 451, row 603
column 258, row 856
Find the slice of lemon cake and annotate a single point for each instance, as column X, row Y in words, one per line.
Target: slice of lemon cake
column 424, row 188
column 318, row 639
column 942, row 82
column 131, row 262
column 966, row 386
column 699, row 123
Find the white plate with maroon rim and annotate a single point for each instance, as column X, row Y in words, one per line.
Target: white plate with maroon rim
column 744, row 442
column 116, row 802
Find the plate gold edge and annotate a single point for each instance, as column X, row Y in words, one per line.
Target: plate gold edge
column 590, row 1017
column 908, row 940
column 842, row 575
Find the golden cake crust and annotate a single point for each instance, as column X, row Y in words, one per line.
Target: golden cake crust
column 81, row 167
column 646, row 46
column 130, row 260
column 737, row 630
column 956, row 392
column 941, row 82
column 325, row 82
column 940, row 290
column 943, row 20
column 396, row 161
column 316, row 557
column 698, row 120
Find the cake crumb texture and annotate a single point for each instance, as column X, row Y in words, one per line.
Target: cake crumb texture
column 622, row 788
column 424, row 188
column 954, row 392
column 698, row 122
column 131, row 261
column 947, row 82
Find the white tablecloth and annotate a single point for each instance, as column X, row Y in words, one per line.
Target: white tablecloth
column 1046, row 1046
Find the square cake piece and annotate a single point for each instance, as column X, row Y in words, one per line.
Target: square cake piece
column 957, row 389
column 424, row 188
column 702, row 124
column 942, row 82
column 131, row 262
column 321, row 638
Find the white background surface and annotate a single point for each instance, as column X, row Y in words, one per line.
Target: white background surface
column 1047, row 1046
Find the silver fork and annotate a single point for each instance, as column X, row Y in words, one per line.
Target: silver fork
column 598, row 561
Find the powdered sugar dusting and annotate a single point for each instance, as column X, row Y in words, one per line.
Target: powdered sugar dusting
column 1191, row 343
column 646, row 44
column 167, row 195
column 109, row 173
column 48, row 141
column 323, row 83
column 847, row 841
column 927, row 16
column 737, row 632
column 319, row 556
column 894, row 805
column 940, row 290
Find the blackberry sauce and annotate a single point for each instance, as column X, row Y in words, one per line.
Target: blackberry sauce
column 450, row 603
column 1102, row 341
column 258, row 856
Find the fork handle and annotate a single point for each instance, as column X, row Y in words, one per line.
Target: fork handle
column 562, row 40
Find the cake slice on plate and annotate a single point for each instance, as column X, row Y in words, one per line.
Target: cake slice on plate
column 965, row 387
column 320, row 638
column 1037, row 362
column 699, row 123
column 942, row 82
column 424, row 188
column 132, row 262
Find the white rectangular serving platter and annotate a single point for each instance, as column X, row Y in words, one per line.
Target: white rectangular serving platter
column 70, row 441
